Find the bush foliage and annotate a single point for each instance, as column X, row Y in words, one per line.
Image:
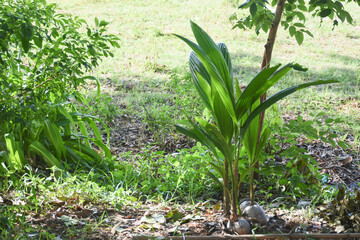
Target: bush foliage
column 44, row 59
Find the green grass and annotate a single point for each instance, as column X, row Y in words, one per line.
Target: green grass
column 150, row 53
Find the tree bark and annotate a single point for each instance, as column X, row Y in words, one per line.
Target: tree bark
column 267, row 57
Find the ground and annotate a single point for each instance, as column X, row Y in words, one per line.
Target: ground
column 72, row 219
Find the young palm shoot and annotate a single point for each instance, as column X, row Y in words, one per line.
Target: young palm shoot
column 234, row 114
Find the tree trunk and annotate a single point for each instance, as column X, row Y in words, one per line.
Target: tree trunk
column 267, row 58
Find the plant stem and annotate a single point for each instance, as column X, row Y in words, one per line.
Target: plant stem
column 252, row 189
column 227, row 185
column 235, row 191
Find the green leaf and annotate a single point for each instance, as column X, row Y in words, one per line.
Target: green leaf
column 348, row 17
column 217, row 58
column 253, row 9
column 307, row 32
column 276, row 97
column 38, row 40
column 245, row 3
column 292, row 30
column 301, row 16
column 299, row 25
column 212, row 129
column 226, row 54
column 103, row 23
column 302, row 7
column 222, row 83
column 96, row 22
column 325, row 12
column 254, row 90
column 16, row 159
column 201, row 79
column 299, row 36
column 54, row 137
column 49, row 158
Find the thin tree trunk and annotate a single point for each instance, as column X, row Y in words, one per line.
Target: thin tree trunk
column 267, row 58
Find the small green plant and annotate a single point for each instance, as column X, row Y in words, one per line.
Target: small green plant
column 231, row 128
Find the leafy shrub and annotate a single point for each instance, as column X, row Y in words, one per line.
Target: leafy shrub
column 44, row 59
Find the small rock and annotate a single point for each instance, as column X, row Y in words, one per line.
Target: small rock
column 241, row 226
column 257, row 213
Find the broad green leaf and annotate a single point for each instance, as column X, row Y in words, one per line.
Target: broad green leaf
column 276, row 97
column 250, row 139
column 348, row 17
column 253, row 9
column 325, row 12
column 88, row 151
column 38, row 40
column 201, row 79
column 49, row 158
column 201, row 136
column 54, row 136
column 103, row 147
column 247, row 98
column 16, row 159
column 66, row 114
column 301, row 16
column 222, row 118
column 292, row 30
column 307, row 32
column 238, row 89
column 299, row 25
column 215, row 133
column 215, row 55
column 264, row 137
column 84, row 131
column 217, row 80
column 299, row 36
column 73, row 155
column 226, row 54
column 302, row 7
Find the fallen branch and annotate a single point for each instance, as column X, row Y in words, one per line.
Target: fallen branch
column 258, row 236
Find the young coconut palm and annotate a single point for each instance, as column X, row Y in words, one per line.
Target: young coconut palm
column 235, row 114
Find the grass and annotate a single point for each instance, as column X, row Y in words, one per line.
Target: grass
column 150, row 53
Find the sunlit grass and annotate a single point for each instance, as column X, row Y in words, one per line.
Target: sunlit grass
column 149, row 51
